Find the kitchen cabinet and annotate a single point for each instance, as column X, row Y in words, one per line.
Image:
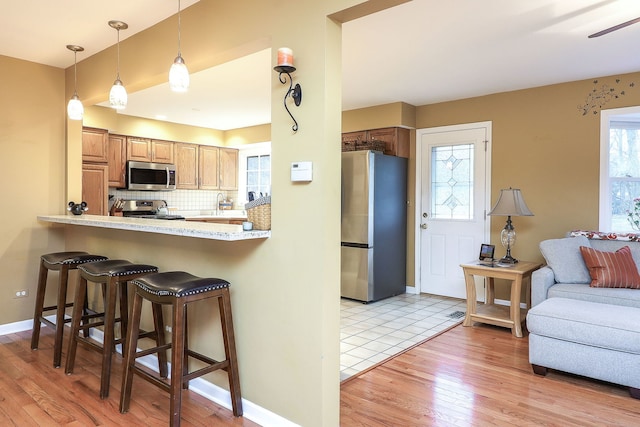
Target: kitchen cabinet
column 396, row 139
column 149, row 150
column 219, row 220
column 186, row 166
column 205, row 167
column 94, row 145
column 228, row 169
column 95, row 188
column 208, row 167
column 117, row 160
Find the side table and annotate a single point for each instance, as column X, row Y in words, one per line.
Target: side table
column 508, row 317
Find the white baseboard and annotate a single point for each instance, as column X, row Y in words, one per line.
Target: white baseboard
column 204, row 388
column 412, row 290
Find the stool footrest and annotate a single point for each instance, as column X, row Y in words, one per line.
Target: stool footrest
column 152, row 350
column 202, row 371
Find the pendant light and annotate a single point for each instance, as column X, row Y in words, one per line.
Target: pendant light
column 118, row 94
column 179, row 74
column 75, row 109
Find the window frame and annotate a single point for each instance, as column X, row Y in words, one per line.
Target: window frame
column 249, row 150
column 628, row 114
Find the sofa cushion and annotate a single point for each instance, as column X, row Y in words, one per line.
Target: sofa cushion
column 565, row 259
column 587, row 323
column 583, row 292
column 611, row 269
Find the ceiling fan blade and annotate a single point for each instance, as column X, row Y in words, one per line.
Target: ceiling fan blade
column 614, row 28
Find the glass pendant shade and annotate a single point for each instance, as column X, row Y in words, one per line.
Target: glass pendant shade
column 75, row 109
column 118, row 95
column 179, row 75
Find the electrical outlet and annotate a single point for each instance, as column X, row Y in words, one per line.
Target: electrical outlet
column 22, row 293
column 167, row 328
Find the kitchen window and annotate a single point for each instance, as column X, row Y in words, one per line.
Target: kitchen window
column 254, row 170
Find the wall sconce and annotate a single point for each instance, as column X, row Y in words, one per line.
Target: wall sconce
column 75, row 109
column 285, row 66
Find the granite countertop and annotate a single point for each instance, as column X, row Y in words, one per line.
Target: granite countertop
column 202, row 230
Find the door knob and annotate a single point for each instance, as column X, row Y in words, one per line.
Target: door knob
column 423, row 226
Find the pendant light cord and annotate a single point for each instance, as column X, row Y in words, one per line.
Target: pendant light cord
column 179, row 53
column 75, row 72
column 118, row 63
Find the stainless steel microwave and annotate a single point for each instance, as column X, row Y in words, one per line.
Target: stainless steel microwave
column 151, row 176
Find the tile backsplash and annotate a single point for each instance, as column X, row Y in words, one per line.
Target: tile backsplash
column 180, row 200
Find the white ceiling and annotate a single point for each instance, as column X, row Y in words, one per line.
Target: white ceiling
column 420, row 52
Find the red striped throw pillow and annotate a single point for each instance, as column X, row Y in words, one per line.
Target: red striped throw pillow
column 611, row 269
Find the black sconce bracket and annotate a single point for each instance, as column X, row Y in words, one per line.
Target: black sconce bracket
column 294, row 91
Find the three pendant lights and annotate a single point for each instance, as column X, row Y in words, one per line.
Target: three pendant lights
column 178, row 76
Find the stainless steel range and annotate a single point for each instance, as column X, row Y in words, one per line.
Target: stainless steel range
column 153, row 209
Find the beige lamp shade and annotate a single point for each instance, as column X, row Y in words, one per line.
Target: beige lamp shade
column 510, row 203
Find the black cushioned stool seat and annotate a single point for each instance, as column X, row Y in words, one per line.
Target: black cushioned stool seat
column 61, row 262
column 113, row 275
column 178, row 288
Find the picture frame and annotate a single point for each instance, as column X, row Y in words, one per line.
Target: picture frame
column 486, row 252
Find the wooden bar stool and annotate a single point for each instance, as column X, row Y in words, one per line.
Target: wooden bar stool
column 178, row 288
column 61, row 262
column 113, row 276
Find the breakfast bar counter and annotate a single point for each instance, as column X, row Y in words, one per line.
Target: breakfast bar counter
column 201, row 230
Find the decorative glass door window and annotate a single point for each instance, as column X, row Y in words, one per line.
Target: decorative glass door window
column 452, row 182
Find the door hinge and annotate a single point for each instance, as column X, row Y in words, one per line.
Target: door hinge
column 486, row 144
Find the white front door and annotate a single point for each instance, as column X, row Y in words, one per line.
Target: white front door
column 453, row 196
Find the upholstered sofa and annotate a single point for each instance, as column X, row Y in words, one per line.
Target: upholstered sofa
column 585, row 330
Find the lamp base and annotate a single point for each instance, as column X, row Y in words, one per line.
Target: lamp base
column 508, row 259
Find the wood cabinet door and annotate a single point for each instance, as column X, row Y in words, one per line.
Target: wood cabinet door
column 94, row 145
column 208, row 167
column 162, row 151
column 228, row 169
column 396, row 140
column 117, row 160
column 95, row 188
column 138, row 149
column 186, row 166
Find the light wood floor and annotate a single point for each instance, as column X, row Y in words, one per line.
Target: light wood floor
column 479, row 376
column 476, row 376
column 33, row 393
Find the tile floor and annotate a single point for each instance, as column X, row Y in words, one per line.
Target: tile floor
column 370, row 333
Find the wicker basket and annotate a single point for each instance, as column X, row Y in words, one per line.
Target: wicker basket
column 259, row 213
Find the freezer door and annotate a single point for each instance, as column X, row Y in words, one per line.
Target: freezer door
column 357, row 197
column 356, row 279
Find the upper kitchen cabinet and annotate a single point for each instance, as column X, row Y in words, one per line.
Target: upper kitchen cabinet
column 217, row 168
column 149, row 150
column 117, row 160
column 186, row 166
column 94, row 145
column 395, row 139
column 228, row 169
column 208, row 167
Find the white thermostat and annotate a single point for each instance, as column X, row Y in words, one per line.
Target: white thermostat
column 302, row 171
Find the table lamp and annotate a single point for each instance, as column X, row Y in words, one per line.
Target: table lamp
column 510, row 203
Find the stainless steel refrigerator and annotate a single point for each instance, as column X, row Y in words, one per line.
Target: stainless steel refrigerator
column 374, row 225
